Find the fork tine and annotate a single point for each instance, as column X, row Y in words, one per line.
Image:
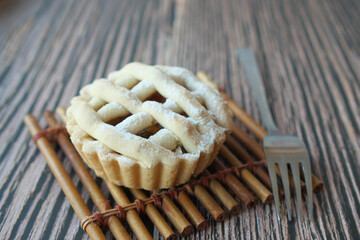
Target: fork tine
column 273, row 180
column 285, row 181
column 296, row 177
column 308, row 181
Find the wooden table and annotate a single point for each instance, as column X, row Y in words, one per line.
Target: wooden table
column 309, row 54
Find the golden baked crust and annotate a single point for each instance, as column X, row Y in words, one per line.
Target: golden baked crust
column 184, row 126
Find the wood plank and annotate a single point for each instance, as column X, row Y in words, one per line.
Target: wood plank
column 308, row 52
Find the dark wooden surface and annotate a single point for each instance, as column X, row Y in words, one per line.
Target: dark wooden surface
column 309, row 53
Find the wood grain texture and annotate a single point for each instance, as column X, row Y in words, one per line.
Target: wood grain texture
column 309, row 53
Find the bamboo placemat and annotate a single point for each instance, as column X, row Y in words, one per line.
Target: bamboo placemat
column 239, row 170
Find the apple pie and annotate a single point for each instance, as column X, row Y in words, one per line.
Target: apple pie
column 148, row 127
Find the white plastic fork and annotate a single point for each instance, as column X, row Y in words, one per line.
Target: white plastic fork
column 280, row 149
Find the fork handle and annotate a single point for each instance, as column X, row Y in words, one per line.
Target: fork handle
column 252, row 71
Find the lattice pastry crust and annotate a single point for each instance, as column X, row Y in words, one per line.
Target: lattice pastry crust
column 148, row 127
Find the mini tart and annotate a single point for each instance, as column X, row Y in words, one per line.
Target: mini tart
column 148, row 127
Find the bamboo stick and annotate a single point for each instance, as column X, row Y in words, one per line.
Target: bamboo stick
column 62, row 177
column 317, row 184
column 192, row 212
column 224, row 196
column 132, row 217
column 260, row 172
column 61, row 112
column 236, row 186
column 245, row 118
column 176, row 217
column 252, row 125
column 249, row 142
column 209, row 203
column 155, row 216
column 254, row 184
column 90, row 185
